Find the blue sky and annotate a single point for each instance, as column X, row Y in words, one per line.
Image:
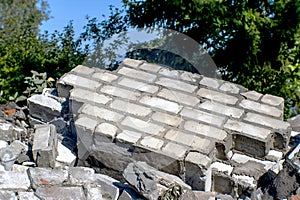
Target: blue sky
column 62, row 11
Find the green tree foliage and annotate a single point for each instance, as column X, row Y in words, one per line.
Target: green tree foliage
column 253, row 43
column 19, row 21
column 23, row 48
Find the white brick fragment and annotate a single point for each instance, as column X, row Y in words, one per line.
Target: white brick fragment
column 252, row 95
column 261, row 108
column 267, row 121
column 210, row 82
column 176, row 150
column 101, row 113
column 176, row 84
column 137, row 85
column 151, row 142
column 167, row 119
column 161, row 104
column 221, row 167
column 126, row 106
column 272, row 100
column 217, row 96
column 120, row 92
column 205, row 130
column 131, row 62
column 137, row 74
column 143, row 126
column 222, row 109
column 105, row 76
column 128, row 137
column 179, row 97
column 202, row 116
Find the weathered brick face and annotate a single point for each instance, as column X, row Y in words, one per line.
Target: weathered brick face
column 143, row 111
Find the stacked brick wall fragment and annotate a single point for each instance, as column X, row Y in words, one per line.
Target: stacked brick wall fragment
column 209, row 132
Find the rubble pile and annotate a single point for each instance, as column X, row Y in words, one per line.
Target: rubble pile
column 144, row 131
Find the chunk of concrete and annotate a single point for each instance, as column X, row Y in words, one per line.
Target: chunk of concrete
column 74, row 193
column 6, row 131
column 44, row 148
column 65, row 157
column 47, row 177
column 109, row 185
column 14, row 181
column 195, row 170
column 8, row 156
column 27, row 196
column 95, row 193
column 80, row 175
column 150, row 182
column 43, row 107
column 8, row 195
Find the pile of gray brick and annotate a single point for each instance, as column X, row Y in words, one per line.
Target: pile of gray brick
column 209, row 132
column 156, row 131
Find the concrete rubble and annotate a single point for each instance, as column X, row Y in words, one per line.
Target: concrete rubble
column 144, row 131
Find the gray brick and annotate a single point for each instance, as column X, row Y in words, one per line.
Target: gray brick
column 201, row 144
column 80, row 69
column 272, row 100
column 105, row 76
column 101, row 113
column 222, row 109
column 85, row 127
column 150, row 67
column 241, row 158
column 143, row 126
column 8, row 195
column 205, row 130
column 120, row 92
column 152, row 143
column 105, row 132
column 178, row 97
column 195, row 170
column 169, row 72
column 43, row 107
column 175, row 150
column 44, row 145
column 17, row 181
column 230, row 87
column 198, row 159
column 67, row 82
column 74, row 193
column 176, row 84
column 202, row 116
column 128, row 137
column 137, row 85
column 161, row 104
column 180, row 137
column 131, row 62
column 188, row 76
column 167, row 119
column 248, row 129
column 253, row 95
column 217, row 96
column 250, row 139
column 80, row 96
column 46, row 177
column 27, row 196
column 261, row 108
column 267, row 121
column 79, row 176
column 137, row 74
column 210, row 82
column 131, row 108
